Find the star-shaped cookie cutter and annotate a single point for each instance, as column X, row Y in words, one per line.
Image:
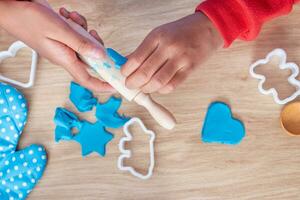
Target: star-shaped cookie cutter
column 12, row 52
column 281, row 54
column 125, row 153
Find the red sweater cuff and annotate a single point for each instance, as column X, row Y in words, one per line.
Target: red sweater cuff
column 242, row 18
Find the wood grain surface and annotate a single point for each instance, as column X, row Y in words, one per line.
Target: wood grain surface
column 265, row 166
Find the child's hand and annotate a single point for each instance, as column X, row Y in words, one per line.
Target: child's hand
column 170, row 53
column 80, row 20
column 46, row 32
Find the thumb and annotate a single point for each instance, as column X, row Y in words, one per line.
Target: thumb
column 82, row 42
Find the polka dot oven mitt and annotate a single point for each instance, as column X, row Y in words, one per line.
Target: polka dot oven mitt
column 19, row 170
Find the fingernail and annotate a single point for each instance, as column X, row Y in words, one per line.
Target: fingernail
column 96, row 53
column 130, row 85
column 123, row 72
column 126, row 84
column 64, row 12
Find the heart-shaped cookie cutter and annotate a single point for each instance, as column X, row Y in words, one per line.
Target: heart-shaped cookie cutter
column 12, row 52
column 281, row 54
column 125, row 153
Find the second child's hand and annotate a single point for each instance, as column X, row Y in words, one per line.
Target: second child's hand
column 170, row 53
column 46, row 32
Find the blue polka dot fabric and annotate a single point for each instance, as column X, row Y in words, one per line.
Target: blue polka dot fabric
column 19, row 170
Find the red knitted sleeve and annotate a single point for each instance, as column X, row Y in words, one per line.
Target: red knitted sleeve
column 243, row 18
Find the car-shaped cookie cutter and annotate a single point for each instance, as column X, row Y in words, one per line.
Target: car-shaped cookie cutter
column 125, row 153
column 281, row 54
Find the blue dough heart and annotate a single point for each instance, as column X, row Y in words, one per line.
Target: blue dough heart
column 220, row 127
column 19, row 170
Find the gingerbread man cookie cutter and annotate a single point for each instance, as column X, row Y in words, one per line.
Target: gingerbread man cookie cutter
column 12, row 52
column 281, row 54
column 125, row 153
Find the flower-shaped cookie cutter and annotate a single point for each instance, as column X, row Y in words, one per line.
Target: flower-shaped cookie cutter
column 125, row 153
column 12, row 52
column 281, row 54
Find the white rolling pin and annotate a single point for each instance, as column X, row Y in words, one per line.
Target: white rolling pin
column 107, row 71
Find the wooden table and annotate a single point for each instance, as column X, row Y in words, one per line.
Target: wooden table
column 266, row 165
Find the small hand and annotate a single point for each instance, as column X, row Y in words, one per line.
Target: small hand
column 170, row 53
column 45, row 31
column 80, row 20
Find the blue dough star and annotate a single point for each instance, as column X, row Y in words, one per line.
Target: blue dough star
column 93, row 138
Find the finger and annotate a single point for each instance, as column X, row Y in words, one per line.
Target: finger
column 79, row 19
column 64, row 12
column 80, row 74
column 145, row 72
column 79, row 43
column 137, row 58
column 179, row 78
column 43, row 2
column 62, row 55
column 162, row 77
column 96, row 36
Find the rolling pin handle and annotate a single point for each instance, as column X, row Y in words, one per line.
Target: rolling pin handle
column 157, row 111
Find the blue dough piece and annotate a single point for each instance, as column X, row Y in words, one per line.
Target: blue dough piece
column 13, row 116
column 117, row 58
column 108, row 114
column 220, row 127
column 61, row 133
column 81, row 97
column 93, row 138
column 84, row 100
column 65, row 121
column 20, row 172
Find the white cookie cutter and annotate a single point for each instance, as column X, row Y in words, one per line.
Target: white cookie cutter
column 280, row 53
column 127, row 153
column 12, row 52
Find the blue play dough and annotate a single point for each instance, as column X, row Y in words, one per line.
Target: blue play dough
column 220, row 127
column 91, row 137
column 107, row 113
column 117, row 58
column 65, row 121
column 81, row 97
column 19, row 170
